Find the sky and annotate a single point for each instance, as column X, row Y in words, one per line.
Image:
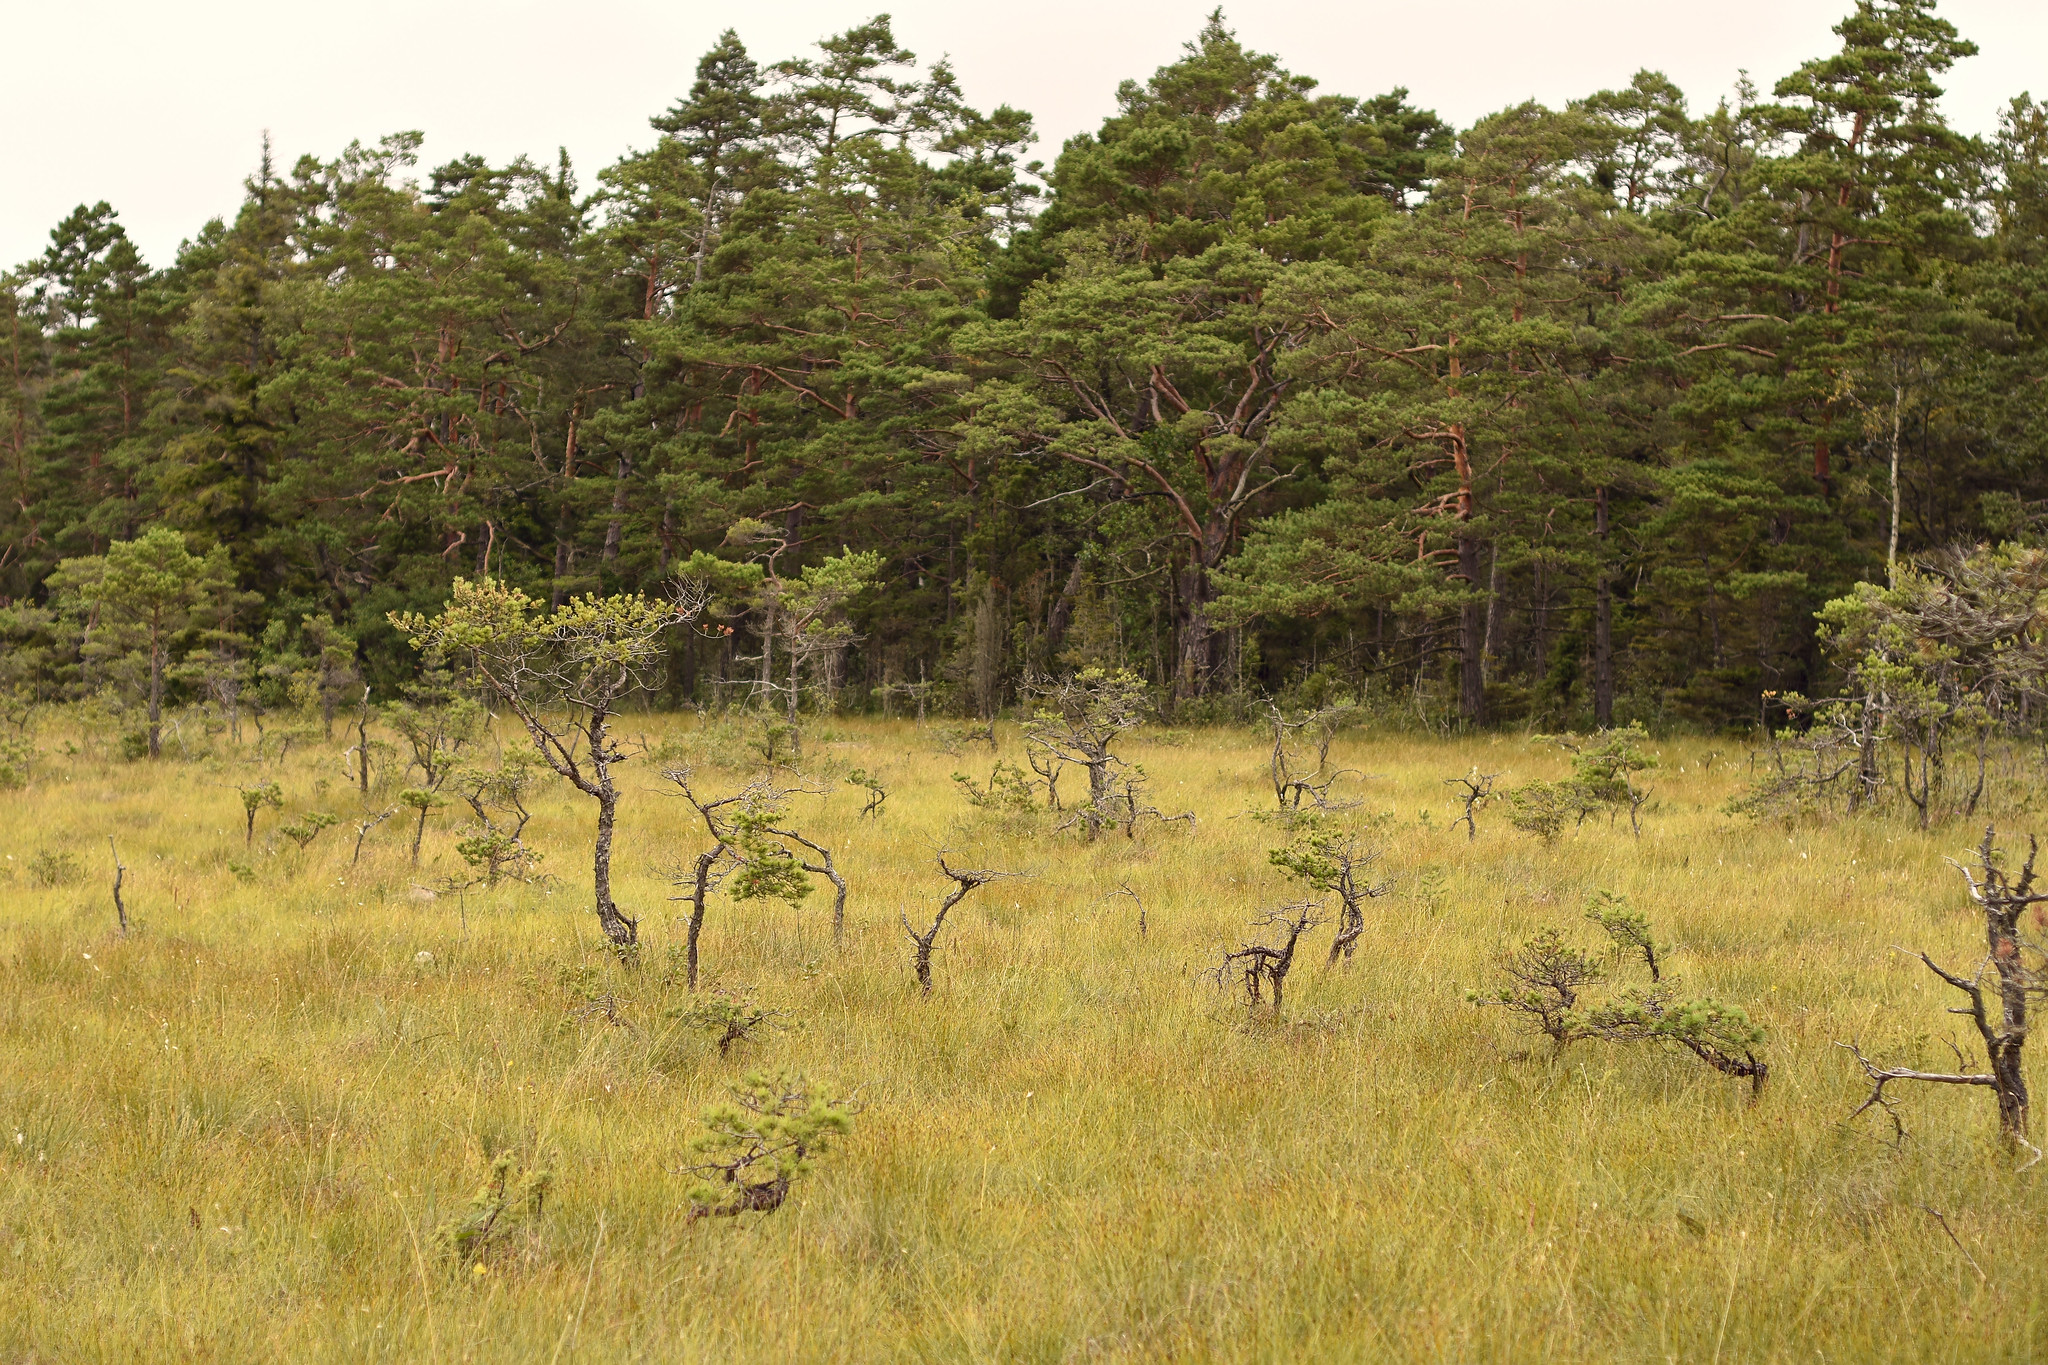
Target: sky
column 160, row 108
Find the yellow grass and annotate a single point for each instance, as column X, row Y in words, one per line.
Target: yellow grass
column 230, row 1135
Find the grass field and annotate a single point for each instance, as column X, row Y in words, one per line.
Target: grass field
column 229, row 1135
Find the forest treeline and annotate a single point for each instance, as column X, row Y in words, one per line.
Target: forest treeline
column 1575, row 415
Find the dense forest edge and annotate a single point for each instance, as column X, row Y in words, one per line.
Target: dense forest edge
column 1615, row 413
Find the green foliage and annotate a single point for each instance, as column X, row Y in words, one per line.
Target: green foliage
column 435, row 718
column 771, row 740
column 1330, row 862
column 254, row 799
column 135, row 604
column 1313, row 856
column 1720, row 1034
column 1548, row 977
column 1257, row 386
column 950, row 737
column 1629, row 928
column 1432, row 888
column 1008, row 790
column 1545, row 808
column 17, row 762
column 1604, row 765
column 422, row 800
column 872, row 785
column 588, row 652
column 54, row 867
column 1545, row 978
column 1077, row 720
column 494, row 844
column 767, row 869
column 512, row 1195
column 1948, row 661
column 307, row 827
column 767, row 1136
column 729, row 1016
column 1603, row 775
column 563, row 674
column 498, row 854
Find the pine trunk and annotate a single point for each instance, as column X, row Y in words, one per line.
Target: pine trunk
column 623, row 932
column 156, row 693
column 1472, row 636
column 1603, row 621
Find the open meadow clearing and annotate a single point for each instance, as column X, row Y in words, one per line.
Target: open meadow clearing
column 233, row 1133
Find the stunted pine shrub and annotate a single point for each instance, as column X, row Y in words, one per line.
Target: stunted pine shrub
column 1128, row 806
column 1300, row 763
column 1604, row 768
column 951, row 738
column 1544, row 978
column 563, row 674
column 1077, row 720
column 1545, row 808
column 17, row 760
column 1719, row 1034
column 1627, row 927
column 307, row 827
column 51, row 867
column 1475, row 790
column 1262, row 968
column 1548, row 979
column 759, row 1142
column 422, row 801
column 816, row 630
column 593, row 994
column 1943, row 669
column 435, row 719
column 729, row 1016
column 964, row 879
column 255, row 799
column 1816, row 771
column 871, row 784
column 767, row 869
column 1007, row 791
column 754, row 844
column 511, row 1196
column 143, row 598
column 366, row 822
column 773, row 741
column 1330, row 862
column 494, row 844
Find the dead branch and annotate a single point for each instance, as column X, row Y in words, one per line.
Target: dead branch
column 120, row 908
column 1477, row 791
column 964, row 880
column 1293, row 780
column 825, row 868
column 1263, row 966
column 2014, row 965
column 702, row 874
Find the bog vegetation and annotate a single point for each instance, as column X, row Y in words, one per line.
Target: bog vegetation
column 1003, row 1077
column 801, row 759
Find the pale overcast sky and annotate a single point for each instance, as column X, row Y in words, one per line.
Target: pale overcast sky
column 159, row 108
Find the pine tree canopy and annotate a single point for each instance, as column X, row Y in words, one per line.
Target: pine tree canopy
column 1571, row 414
